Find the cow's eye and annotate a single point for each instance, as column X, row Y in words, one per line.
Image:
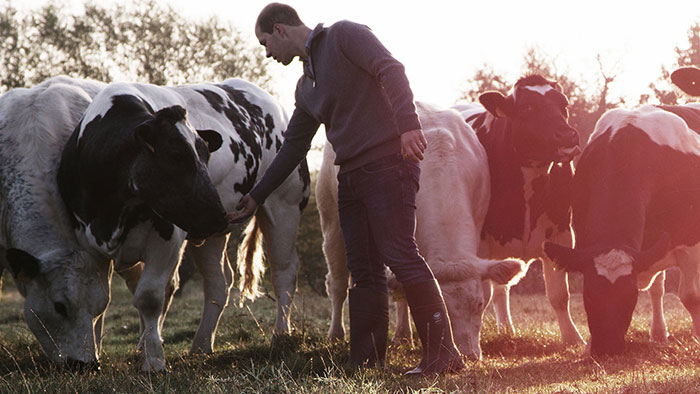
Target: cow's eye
column 61, row 308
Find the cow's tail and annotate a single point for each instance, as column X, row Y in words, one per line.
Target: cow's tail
column 251, row 259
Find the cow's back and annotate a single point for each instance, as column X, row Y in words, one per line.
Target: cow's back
column 454, row 187
column 35, row 124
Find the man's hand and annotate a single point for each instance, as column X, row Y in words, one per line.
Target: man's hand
column 413, row 144
column 244, row 210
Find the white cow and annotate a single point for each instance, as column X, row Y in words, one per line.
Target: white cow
column 36, row 239
column 131, row 175
column 451, row 207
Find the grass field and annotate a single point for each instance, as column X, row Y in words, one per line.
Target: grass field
column 247, row 361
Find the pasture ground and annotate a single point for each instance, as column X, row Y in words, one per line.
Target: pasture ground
column 246, row 360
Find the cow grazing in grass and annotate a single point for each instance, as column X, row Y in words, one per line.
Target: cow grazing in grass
column 149, row 166
column 687, row 79
column 37, row 243
column 530, row 145
column 636, row 211
column 451, row 205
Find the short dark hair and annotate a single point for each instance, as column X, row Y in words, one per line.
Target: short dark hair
column 277, row 13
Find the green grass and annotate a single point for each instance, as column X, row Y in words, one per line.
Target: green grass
column 246, row 360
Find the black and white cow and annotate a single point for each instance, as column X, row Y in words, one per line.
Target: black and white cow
column 63, row 309
column 530, row 145
column 687, row 79
column 636, row 211
column 142, row 172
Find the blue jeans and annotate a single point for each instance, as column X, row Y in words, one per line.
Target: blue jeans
column 377, row 207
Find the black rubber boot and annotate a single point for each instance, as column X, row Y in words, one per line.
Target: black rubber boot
column 369, row 326
column 440, row 355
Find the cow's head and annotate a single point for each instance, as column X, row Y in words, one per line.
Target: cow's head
column 170, row 172
column 609, row 287
column 466, row 291
column 687, row 79
column 66, row 295
column 537, row 113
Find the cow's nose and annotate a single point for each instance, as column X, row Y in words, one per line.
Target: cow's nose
column 79, row 366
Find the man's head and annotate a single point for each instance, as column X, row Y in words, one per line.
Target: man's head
column 274, row 30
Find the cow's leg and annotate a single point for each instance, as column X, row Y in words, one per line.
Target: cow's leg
column 131, row 277
column 160, row 262
column 217, row 279
column 403, row 333
column 689, row 289
column 557, row 287
column 501, row 306
column 338, row 276
column 658, row 331
column 279, row 225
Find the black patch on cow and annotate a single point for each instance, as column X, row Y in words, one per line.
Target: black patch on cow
column 306, row 180
column 552, row 197
column 506, row 214
column 213, row 98
column 255, row 131
column 691, row 116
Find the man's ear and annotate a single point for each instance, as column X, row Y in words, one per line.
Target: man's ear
column 23, row 265
column 280, row 29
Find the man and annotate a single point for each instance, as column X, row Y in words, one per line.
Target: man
column 353, row 85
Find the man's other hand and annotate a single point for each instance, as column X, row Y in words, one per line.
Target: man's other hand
column 413, row 144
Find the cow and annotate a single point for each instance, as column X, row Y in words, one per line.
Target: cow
column 530, row 145
column 150, row 167
column 635, row 213
column 451, row 205
column 37, row 243
column 687, row 79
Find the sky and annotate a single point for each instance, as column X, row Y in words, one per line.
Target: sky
column 442, row 43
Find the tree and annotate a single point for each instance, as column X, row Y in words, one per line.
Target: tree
column 137, row 41
column 662, row 89
column 587, row 103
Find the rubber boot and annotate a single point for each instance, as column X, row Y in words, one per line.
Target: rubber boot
column 440, row 355
column 369, row 327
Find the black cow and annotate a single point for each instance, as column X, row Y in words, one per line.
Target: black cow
column 636, row 211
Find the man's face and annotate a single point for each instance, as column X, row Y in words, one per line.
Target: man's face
column 275, row 43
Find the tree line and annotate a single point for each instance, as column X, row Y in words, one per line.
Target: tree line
column 137, row 40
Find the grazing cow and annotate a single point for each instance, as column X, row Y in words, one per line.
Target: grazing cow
column 636, row 211
column 37, row 244
column 687, row 79
column 149, row 166
column 529, row 145
column 450, row 209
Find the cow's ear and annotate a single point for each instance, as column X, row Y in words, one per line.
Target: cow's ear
column 497, row 104
column 506, row 272
column 688, row 79
column 23, row 265
column 144, row 135
column 212, row 138
column 565, row 258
